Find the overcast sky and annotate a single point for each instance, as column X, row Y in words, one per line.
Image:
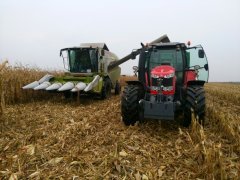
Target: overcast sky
column 32, row 32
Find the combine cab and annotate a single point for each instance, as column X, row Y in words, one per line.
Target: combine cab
column 170, row 82
column 87, row 72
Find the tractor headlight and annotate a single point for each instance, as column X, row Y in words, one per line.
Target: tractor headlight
column 154, row 76
column 169, row 88
column 169, row 75
column 155, row 88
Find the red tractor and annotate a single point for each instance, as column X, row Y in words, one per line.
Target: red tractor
column 170, row 82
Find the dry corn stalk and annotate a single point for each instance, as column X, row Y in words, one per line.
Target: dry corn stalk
column 2, row 101
column 2, row 66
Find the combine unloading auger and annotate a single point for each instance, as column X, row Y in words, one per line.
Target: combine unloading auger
column 91, row 68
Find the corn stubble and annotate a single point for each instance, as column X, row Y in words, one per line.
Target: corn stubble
column 43, row 137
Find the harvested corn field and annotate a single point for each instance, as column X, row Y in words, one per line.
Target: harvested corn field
column 65, row 139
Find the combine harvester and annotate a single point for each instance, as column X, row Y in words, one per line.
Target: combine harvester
column 87, row 72
column 91, row 69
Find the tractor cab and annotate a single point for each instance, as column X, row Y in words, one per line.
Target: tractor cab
column 172, row 65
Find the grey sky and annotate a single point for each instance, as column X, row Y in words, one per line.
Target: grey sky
column 32, row 32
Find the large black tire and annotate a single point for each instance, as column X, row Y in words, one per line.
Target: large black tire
column 106, row 89
column 195, row 101
column 117, row 88
column 130, row 104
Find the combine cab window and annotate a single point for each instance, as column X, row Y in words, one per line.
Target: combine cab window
column 83, row 61
column 198, row 62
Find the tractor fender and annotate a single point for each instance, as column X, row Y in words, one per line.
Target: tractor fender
column 134, row 83
column 196, row 82
column 138, row 83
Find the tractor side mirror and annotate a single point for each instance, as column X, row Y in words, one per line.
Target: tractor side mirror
column 206, row 67
column 196, row 67
column 201, row 53
column 135, row 69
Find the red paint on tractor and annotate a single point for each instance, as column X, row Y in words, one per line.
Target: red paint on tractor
column 164, row 72
column 190, row 75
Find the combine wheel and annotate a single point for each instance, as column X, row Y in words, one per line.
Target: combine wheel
column 195, row 101
column 117, row 88
column 130, row 104
column 106, row 89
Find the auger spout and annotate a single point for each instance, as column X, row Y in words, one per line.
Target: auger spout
column 132, row 55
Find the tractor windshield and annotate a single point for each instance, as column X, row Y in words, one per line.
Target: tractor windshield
column 167, row 56
column 170, row 57
column 197, row 60
column 82, row 60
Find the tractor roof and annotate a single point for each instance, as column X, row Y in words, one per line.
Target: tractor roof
column 94, row 45
column 167, row 44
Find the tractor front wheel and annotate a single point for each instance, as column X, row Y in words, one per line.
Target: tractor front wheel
column 194, row 103
column 130, row 104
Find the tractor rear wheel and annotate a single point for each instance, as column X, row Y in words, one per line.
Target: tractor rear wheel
column 130, row 104
column 194, row 103
column 106, row 89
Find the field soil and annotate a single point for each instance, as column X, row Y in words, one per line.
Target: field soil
column 86, row 139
